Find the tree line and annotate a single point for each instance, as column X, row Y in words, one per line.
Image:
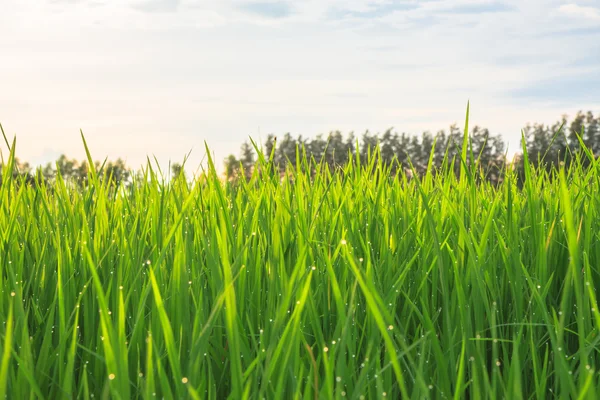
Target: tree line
column 548, row 146
column 70, row 170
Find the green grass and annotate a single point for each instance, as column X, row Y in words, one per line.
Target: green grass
column 349, row 284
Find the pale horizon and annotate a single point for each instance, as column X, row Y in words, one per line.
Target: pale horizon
column 159, row 78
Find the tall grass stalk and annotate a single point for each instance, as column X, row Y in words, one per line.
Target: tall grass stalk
column 320, row 284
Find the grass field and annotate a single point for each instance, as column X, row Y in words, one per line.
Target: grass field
column 350, row 284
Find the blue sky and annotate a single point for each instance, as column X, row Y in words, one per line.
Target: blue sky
column 160, row 77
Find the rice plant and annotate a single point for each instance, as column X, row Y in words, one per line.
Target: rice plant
column 353, row 283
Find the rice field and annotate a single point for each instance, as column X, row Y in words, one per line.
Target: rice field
column 318, row 285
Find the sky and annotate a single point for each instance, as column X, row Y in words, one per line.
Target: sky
column 159, row 78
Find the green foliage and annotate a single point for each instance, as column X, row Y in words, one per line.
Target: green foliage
column 548, row 147
column 320, row 283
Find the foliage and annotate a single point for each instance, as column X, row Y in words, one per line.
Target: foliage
column 548, row 146
column 323, row 283
column 71, row 171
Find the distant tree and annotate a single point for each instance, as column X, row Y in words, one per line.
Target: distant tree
column 440, row 148
column 67, row 168
column 488, row 151
column 369, row 144
column 592, row 133
column 388, row 146
column 337, row 154
column 546, row 146
column 48, row 172
column 415, row 153
column 403, row 149
column 21, row 172
column 286, row 152
column 538, row 141
column 559, row 145
column 351, row 145
column 426, row 148
column 247, row 159
column 269, row 145
column 302, row 145
column 177, row 171
column 231, row 167
column 119, row 174
column 576, row 129
column 81, row 171
column 316, row 147
column 454, row 146
column 479, row 144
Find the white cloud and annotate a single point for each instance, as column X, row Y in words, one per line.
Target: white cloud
column 576, row 10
